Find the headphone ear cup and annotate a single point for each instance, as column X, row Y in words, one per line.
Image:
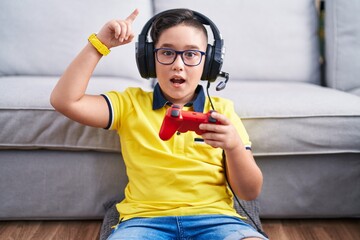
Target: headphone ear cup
column 216, row 62
column 140, row 58
column 145, row 59
column 150, row 60
column 207, row 66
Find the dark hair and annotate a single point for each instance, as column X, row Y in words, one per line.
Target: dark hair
column 173, row 18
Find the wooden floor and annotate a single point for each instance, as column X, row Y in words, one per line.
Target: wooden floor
column 337, row 229
column 313, row 229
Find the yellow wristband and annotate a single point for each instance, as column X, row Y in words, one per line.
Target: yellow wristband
column 100, row 47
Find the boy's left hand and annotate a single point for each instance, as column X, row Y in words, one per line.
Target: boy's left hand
column 223, row 135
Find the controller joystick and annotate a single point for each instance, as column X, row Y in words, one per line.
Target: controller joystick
column 177, row 120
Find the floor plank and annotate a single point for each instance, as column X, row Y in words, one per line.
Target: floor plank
column 313, row 229
column 50, row 230
column 309, row 229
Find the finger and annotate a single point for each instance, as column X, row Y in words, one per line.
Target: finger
column 130, row 38
column 132, row 16
column 117, row 30
column 221, row 118
column 215, row 136
column 123, row 31
column 210, row 127
column 129, row 32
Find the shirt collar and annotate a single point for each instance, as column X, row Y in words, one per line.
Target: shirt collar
column 198, row 103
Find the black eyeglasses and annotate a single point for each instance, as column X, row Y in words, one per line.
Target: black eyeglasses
column 167, row 56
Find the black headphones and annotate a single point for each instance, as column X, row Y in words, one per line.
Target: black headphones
column 145, row 57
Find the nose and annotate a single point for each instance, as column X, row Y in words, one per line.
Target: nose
column 178, row 64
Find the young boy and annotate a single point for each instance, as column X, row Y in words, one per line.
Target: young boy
column 177, row 188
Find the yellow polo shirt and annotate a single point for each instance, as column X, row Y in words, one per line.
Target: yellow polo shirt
column 177, row 177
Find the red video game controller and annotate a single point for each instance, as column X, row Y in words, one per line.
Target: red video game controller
column 177, row 120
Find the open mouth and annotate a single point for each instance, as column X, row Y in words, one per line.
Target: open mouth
column 177, row 81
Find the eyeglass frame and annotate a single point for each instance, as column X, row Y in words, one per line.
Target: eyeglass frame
column 181, row 55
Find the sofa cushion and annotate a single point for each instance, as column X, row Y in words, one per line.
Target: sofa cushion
column 343, row 45
column 296, row 118
column 42, row 37
column 264, row 40
column 299, row 118
column 29, row 122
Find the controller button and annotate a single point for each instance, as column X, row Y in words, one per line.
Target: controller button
column 175, row 113
column 212, row 120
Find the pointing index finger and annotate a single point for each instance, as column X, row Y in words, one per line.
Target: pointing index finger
column 133, row 15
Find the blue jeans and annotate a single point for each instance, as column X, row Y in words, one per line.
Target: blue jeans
column 202, row 227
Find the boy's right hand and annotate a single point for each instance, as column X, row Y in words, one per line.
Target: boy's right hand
column 118, row 32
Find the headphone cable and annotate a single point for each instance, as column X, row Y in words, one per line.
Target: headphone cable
column 208, row 95
column 258, row 228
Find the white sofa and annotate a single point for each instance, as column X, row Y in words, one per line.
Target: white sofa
column 302, row 116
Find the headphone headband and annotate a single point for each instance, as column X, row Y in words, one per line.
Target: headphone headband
column 145, row 58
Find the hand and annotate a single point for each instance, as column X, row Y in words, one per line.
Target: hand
column 222, row 135
column 118, row 32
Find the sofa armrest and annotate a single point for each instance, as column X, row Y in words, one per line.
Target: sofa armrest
column 342, row 42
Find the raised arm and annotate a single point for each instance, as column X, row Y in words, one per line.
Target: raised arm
column 69, row 97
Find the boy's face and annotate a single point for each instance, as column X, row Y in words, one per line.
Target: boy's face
column 178, row 81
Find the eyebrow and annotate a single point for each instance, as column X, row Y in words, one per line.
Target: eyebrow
column 167, row 45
